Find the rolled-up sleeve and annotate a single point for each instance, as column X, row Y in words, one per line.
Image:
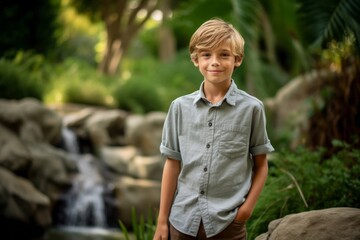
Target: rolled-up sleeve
column 169, row 146
column 259, row 141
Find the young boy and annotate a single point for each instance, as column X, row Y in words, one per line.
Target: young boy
column 215, row 143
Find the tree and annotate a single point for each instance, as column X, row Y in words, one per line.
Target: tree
column 123, row 19
column 333, row 27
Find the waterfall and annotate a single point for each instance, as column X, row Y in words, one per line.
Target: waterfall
column 84, row 204
column 70, row 141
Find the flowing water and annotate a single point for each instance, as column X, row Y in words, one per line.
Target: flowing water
column 83, row 211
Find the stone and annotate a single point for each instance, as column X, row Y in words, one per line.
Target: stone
column 45, row 124
column 14, row 154
column 106, row 127
column 118, row 159
column 24, row 202
column 147, row 167
column 326, row 224
column 51, row 169
column 143, row 195
column 145, row 132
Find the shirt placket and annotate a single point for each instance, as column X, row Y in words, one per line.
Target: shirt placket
column 209, row 128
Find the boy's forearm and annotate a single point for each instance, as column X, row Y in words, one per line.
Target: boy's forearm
column 168, row 187
column 259, row 177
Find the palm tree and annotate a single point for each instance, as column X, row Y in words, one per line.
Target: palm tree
column 329, row 24
column 327, row 20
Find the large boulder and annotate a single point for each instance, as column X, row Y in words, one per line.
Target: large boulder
column 144, row 132
column 126, row 161
column 326, row 224
column 31, row 120
column 142, row 195
column 118, row 159
column 14, row 155
column 21, row 201
column 106, row 127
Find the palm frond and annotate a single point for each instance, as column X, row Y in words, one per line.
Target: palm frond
column 326, row 20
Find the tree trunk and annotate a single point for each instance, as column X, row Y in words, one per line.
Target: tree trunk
column 122, row 25
column 167, row 46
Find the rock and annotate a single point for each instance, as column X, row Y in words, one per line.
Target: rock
column 147, row 167
column 143, row 195
column 118, row 159
column 145, row 132
column 76, row 121
column 127, row 161
column 106, row 127
column 326, row 224
column 24, row 202
column 14, row 155
column 49, row 121
column 50, row 170
column 30, row 119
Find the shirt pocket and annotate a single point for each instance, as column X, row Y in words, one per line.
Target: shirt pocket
column 233, row 142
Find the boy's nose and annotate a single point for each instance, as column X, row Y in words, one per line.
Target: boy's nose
column 214, row 61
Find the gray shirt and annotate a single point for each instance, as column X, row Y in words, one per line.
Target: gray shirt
column 215, row 144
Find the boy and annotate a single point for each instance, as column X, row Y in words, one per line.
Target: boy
column 215, row 143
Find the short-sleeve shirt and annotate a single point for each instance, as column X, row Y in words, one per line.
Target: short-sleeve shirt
column 215, row 144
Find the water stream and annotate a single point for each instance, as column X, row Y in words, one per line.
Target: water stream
column 83, row 213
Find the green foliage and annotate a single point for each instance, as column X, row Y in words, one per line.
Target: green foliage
column 77, row 82
column 79, row 36
column 24, row 76
column 142, row 230
column 326, row 20
column 152, row 85
column 301, row 181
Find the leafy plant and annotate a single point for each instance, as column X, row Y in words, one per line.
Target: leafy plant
column 20, row 78
column 326, row 20
column 303, row 180
column 142, row 230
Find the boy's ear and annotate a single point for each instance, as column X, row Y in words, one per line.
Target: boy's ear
column 195, row 61
column 238, row 61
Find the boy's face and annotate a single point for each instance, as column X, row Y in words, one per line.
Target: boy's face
column 217, row 65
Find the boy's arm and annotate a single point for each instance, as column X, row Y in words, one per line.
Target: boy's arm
column 168, row 187
column 260, row 172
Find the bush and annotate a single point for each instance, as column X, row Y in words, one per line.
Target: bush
column 301, row 181
column 152, row 85
column 138, row 95
column 17, row 82
column 77, row 81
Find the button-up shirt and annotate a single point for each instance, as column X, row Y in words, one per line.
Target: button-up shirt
column 215, row 144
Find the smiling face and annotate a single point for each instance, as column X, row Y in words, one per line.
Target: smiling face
column 218, row 64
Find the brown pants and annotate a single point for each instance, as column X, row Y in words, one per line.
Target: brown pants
column 235, row 231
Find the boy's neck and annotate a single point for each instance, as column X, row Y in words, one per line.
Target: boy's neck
column 214, row 93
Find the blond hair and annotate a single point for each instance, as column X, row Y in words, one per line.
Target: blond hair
column 214, row 32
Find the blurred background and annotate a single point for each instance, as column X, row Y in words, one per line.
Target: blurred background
column 74, row 63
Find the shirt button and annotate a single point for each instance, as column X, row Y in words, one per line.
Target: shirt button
column 205, row 169
column 210, row 124
column 202, row 192
column 207, row 145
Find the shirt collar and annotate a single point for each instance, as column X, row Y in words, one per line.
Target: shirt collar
column 229, row 96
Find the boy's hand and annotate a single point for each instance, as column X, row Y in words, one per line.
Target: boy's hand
column 162, row 232
column 244, row 213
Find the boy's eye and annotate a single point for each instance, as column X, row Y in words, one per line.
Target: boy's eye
column 205, row 54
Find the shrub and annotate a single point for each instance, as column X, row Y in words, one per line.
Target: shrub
column 76, row 81
column 302, row 180
column 17, row 82
column 138, row 95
